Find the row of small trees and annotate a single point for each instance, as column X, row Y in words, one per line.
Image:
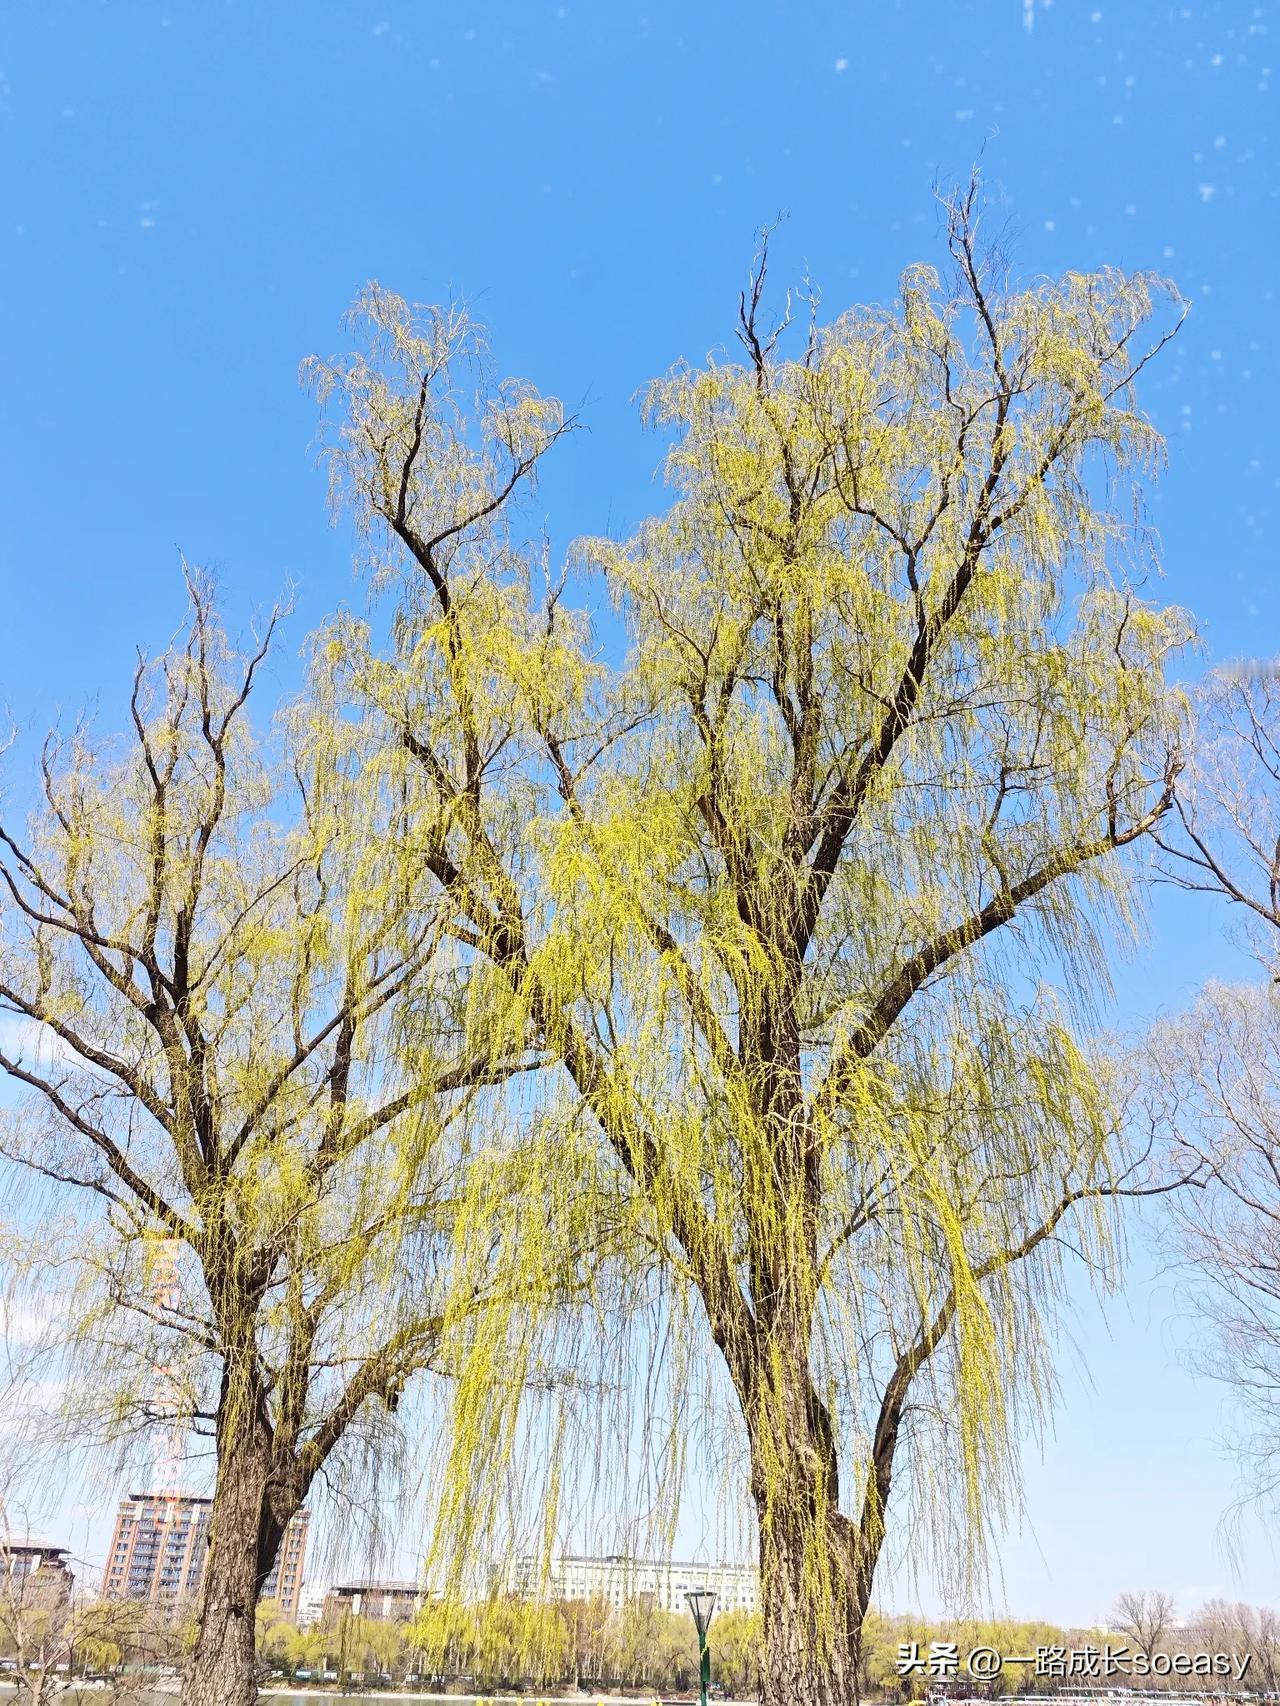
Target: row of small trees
column 510, row 1642
column 527, row 1004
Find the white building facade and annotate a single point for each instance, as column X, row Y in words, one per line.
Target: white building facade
column 618, row 1580
column 310, row 1604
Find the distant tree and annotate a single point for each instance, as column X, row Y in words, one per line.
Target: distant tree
column 275, row 1633
column 735, row 1656
column 364, row 1646
column 586, row 1623
column 777, row 895
column 1213, row 1072
column 1224, row 837
column 1245, row 1629
column 46, row 1640
column 651, row 1648
column 432, row 1637
column 1146, row 1618
column 206, row 967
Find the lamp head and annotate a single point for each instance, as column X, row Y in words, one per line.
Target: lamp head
column 702, row 1603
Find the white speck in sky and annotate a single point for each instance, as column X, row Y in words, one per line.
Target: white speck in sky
column 1208, row 191
column 1167, row 251
column 842, row 64
column 382, row 28
column 1028, row 14
column 1216, row 60
column 964, row 112
column 1050, row 224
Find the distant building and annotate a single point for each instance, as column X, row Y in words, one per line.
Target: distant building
column 159, row 1546
column 310, row 1605
column 619, row 1579
column 386, row 1602
column 33, row 1575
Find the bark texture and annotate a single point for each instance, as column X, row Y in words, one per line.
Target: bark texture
column 251, row 1510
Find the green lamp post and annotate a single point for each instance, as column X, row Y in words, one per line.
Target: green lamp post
column 702, row 1604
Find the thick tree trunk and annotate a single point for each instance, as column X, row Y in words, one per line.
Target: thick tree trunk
column 809, row 1652
column 814, row 1595
column 816, row 1564
column 245, row 1530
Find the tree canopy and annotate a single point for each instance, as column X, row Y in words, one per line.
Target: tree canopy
column 781, row 898
column 259, row 1172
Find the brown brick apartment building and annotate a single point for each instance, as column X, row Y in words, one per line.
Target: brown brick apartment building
column 159, row 1545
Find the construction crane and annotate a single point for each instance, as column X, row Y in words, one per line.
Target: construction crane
column 168, row 1441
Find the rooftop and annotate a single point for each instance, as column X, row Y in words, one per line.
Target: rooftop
column 173, row 1498
column 378, row 1587
column 646, row 1563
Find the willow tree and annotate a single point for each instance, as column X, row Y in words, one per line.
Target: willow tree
column 206, row 967
column 783, row 895
column 43, row 1641
column 1213, row 1072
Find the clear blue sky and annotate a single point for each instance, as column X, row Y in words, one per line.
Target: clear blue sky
column 193, row 193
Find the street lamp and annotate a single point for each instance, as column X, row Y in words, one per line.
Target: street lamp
column 702, row 1603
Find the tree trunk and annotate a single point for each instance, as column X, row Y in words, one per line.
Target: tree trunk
column 245, row 1529
column 809, row 1648
column 813, row 1595
column 221, row 1670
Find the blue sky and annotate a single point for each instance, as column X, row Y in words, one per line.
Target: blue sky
column 193, row 193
